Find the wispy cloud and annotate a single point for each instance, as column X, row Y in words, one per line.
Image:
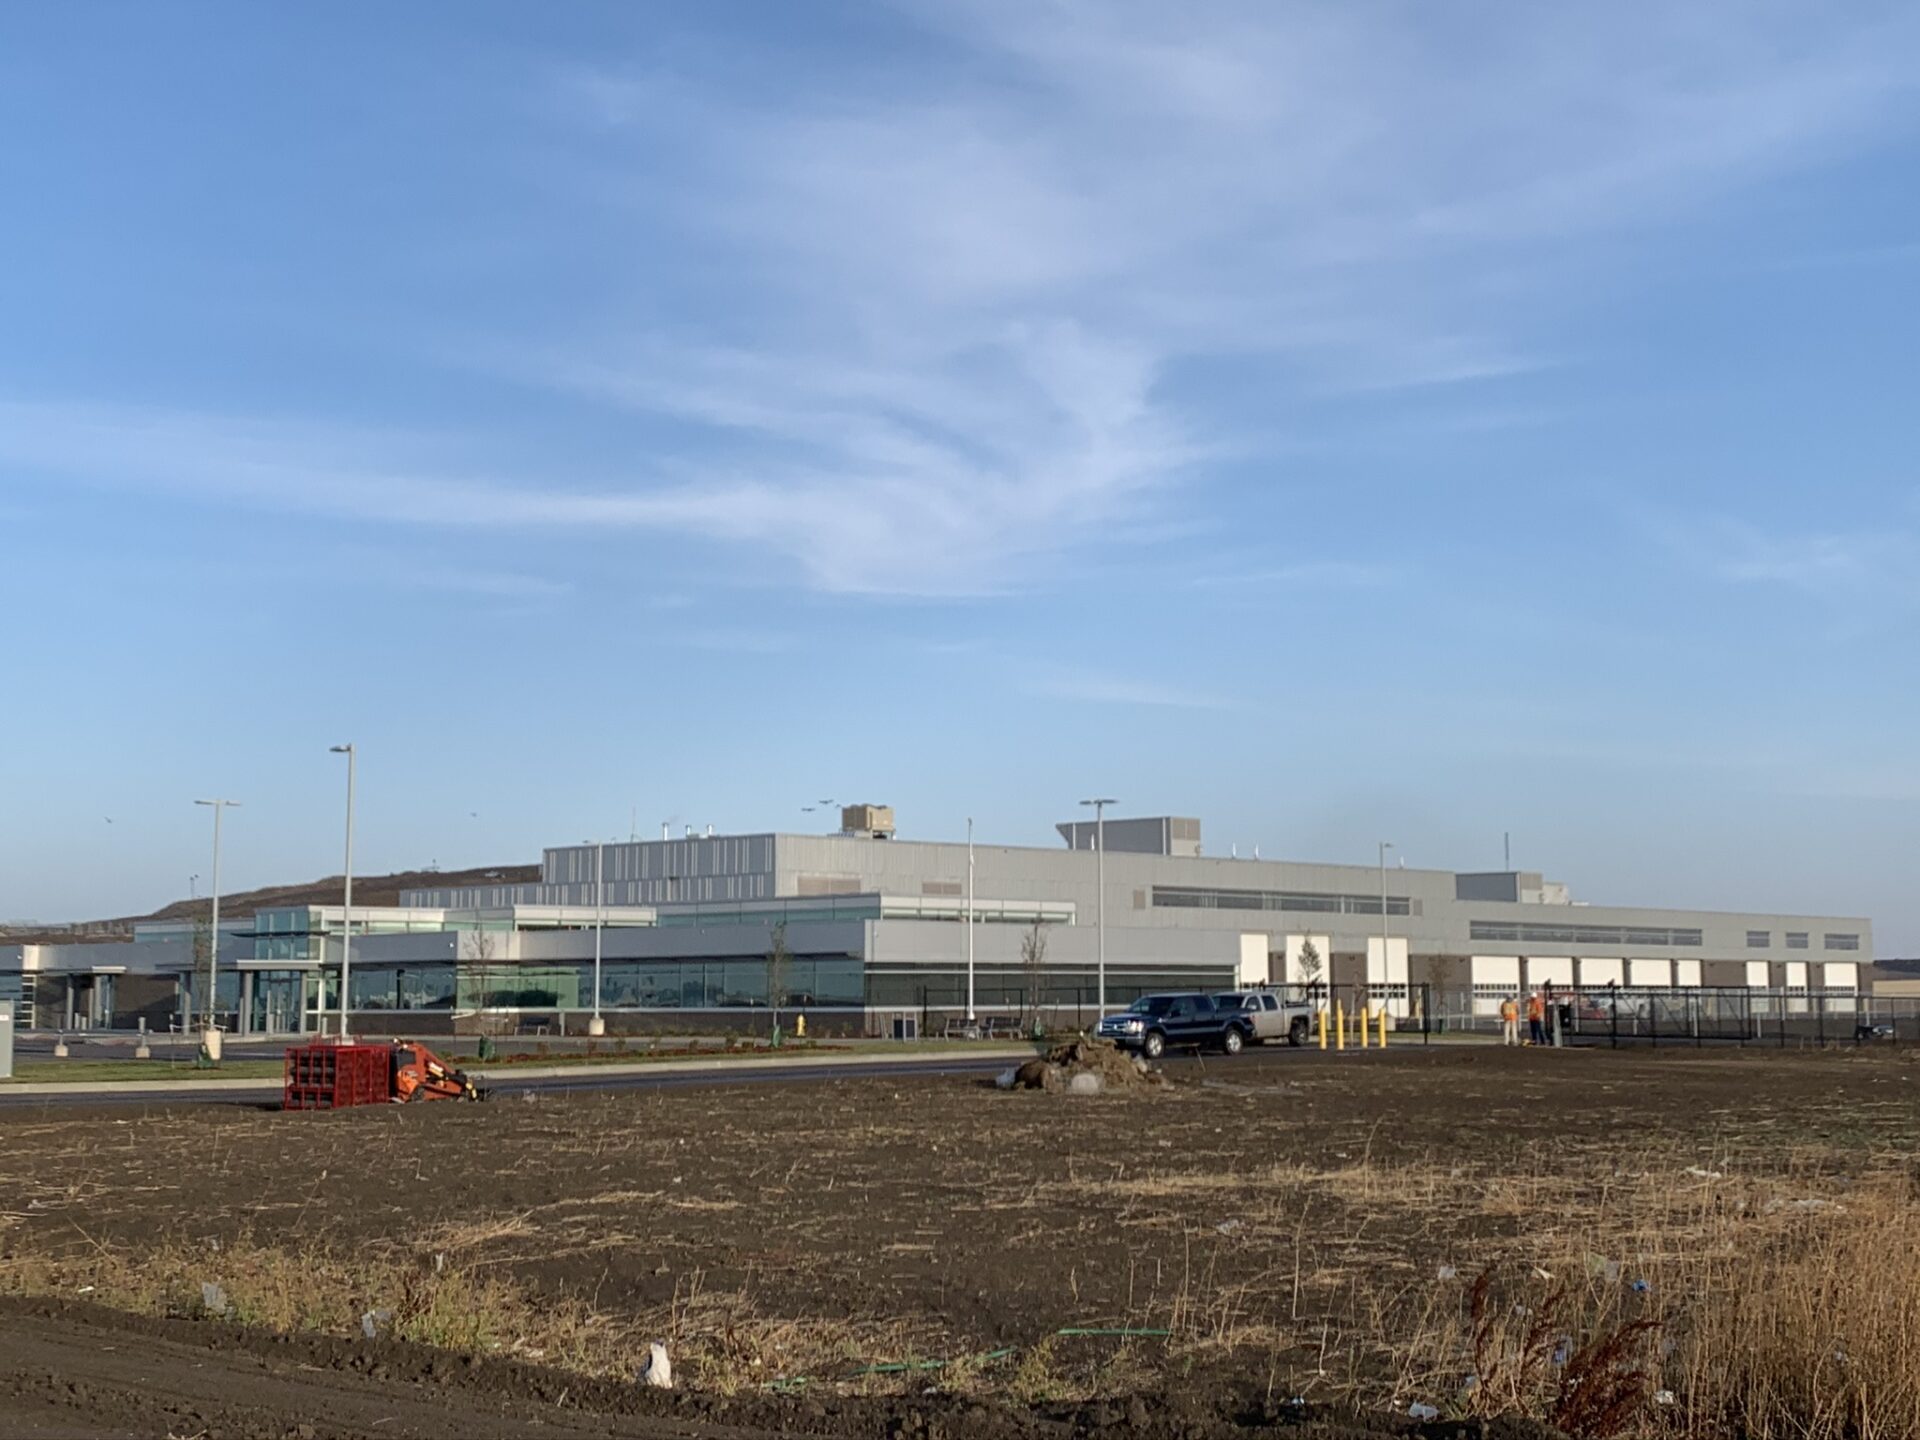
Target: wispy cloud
column 479, row 582
column 1843, row 565
column 1096, row 689
column 937, row 301
column 1307, row 575
column 974, row 279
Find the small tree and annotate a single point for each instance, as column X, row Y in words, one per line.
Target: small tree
column 202, row 965
column 1310, row 965
column 1033, row 962
column 777, row 957
column 483, row 943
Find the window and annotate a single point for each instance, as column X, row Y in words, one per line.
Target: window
column 1197, row 898
column 1842, row 942
column 1630, row 936
column 1796, row 939
column 1759, row 939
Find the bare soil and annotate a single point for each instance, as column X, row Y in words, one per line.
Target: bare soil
column 887, row 1257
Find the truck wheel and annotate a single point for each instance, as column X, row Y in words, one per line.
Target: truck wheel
column 1297, row 1032
column 1155, row 1045
column 1231, row 1041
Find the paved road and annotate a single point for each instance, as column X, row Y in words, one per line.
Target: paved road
column 506, row 1087
column 114, row 1045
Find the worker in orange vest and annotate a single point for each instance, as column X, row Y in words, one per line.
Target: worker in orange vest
column 1536, row 1019
column 1509, row 1021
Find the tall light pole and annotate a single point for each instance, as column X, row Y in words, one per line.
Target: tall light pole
column 597, row 1025
column 969, row 918
column 210, row 1037
column 1386, row 969
column 346, row 905
column 1100, row 885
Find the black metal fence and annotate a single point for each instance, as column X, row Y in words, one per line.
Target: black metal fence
column 1620, row 1015
column 1355, row 1015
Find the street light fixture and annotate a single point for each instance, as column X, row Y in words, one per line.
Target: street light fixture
column 970, row 919
column 210, row 1036
column 596, row 1025
column 1100, row 883
column 1386, row 966
column 346, row 904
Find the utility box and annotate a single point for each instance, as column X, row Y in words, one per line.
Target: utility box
column 6, row 1039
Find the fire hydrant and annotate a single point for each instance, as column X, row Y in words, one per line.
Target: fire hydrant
column 799, row 1027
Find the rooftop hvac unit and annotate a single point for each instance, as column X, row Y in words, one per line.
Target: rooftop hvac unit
column 875, row 822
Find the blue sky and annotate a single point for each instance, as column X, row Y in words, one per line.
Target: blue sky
column 1338, row 421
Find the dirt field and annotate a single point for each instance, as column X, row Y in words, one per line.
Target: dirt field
column 1291, row 1240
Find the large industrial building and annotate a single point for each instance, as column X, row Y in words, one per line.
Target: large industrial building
column 872, row 927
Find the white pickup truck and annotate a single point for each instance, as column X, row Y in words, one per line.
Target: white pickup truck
column 1273, row 1017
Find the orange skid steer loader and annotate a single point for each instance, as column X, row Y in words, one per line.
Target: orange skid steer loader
column 419, row 1074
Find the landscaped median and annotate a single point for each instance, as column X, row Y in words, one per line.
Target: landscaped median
column 67, row 1077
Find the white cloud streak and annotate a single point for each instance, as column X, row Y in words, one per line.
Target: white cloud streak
column 1882, row 565
column 957, row 291
column 1095, row 689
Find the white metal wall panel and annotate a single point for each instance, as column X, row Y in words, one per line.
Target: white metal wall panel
column 1255, row 966
column 1495, row 977
column 1387, row 965
column 1797, row 981
column 1758, row 977
column 1656, row 973
column 1554, row 970
column 1598, row 974
column 1686, row 972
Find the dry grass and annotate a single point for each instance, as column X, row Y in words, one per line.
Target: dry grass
column 1810, row 1328
column 719, row 1340
column 1747, row 1308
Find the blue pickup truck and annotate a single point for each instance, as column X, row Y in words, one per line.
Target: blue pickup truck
column 1153, row 1024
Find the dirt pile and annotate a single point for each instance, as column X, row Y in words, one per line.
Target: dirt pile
column 1083, row 1067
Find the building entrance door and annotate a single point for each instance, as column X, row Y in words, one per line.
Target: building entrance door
column 276, row 1003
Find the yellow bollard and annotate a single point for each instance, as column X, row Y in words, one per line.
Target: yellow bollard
column 1339, row 1024
column 1366, row 1023
column 800, row 1027
column 1383, row 1027
column 1321, row 1016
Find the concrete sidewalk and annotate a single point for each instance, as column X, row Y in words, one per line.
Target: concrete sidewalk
column 584, row 1072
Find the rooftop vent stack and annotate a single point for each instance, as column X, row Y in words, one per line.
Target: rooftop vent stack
column 709, row 832
column 689, row 832
column 666, row 829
